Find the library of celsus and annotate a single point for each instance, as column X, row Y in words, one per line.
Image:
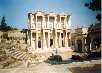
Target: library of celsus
column 49, row 30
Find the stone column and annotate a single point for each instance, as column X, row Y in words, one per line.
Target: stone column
column 36, row 40
column 48, row 40
column 64, row 23
column 31, row 38
column 31, row 21
column 70, row 22
column 43, row 41
column 55, row 23
column 70, row 39
column 91, row 45
column 76, row 46
column 60, row 19
column 60, row 40
column 60, row 22
column 42, row 24
column 66, row 40
column 60, row 44
column 36, row 21
column 48, row 22
column 83, row 47
column 55, row 39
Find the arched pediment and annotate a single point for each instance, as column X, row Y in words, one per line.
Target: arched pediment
column 39, row 12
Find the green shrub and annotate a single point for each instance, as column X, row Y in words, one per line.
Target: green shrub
column 5, row 35
column 24, row 50
column 34, row 56
column 3, row 41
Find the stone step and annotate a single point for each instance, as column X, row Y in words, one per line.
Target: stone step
column 16, row 55
column 19, row 57
column 23, row 57
column 26, row 57
column 13, row 50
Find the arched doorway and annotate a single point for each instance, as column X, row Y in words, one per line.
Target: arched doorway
column 79, row 45
column 96, row 42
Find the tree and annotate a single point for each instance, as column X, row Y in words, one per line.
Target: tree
column 23, row 30
column 95, row 5
column 15, row 28
column 3, row 24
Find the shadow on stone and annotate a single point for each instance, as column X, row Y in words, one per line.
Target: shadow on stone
column 57, row 58
column 76, row 57
column 94, row 55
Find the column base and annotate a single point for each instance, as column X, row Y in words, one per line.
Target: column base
column 43, row 48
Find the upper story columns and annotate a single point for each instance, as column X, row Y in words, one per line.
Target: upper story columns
column 49, row 20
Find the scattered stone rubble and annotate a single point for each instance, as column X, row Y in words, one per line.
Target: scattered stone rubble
column 5, row 60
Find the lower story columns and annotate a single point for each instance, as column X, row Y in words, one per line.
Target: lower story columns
column 57, row 40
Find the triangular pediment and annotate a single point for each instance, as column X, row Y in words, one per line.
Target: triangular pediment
column 63, row 13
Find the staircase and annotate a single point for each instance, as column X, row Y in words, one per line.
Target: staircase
column 16, row 53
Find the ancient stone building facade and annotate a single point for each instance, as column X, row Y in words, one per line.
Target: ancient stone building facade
column 94, row 37
column 49, row 30
column 79, row 39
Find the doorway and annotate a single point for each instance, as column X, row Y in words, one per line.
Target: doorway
column 79, row 44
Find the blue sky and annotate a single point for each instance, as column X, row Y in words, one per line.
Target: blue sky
column 16, row 11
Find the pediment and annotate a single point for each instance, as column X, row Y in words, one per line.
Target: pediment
column 40, row 12
column 63, row 14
